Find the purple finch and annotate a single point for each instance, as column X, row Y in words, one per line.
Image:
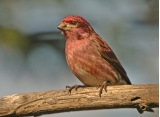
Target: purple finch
column 89, row 57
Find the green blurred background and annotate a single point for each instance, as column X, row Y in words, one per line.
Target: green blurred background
column 32, row 48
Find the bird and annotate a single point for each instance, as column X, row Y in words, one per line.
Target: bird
column 89, row 57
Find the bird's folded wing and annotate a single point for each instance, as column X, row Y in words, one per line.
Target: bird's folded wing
column 107, row 54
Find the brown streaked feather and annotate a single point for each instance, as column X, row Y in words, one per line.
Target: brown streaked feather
column 107, row 54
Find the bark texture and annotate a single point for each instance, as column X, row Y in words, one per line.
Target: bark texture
column 144, row 97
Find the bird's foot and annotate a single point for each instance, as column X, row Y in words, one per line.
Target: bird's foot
column 102, row 86
column 73, row 87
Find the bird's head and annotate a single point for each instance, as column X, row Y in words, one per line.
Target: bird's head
column 75, row 26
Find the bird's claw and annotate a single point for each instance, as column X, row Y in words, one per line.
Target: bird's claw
column 98, row 85
column 102, row 86
column 72, row 87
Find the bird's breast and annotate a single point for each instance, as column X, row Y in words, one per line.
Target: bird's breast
column 88, row 66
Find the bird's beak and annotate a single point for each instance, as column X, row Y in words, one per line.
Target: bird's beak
column 62, row 26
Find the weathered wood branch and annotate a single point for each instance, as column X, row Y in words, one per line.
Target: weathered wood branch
column 38, row 103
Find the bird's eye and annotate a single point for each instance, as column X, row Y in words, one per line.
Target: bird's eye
column 74, row 22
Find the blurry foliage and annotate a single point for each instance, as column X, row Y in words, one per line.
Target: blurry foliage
column 13, row 39
column 153, row 12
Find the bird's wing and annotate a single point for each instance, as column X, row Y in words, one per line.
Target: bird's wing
column 107, row 54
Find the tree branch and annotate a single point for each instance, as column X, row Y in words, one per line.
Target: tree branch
column 38, row 103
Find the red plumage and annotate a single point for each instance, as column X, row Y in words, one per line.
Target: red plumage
column 88, row 56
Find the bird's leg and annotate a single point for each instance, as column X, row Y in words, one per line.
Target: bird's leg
column 103, row 86
column 72, row 87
